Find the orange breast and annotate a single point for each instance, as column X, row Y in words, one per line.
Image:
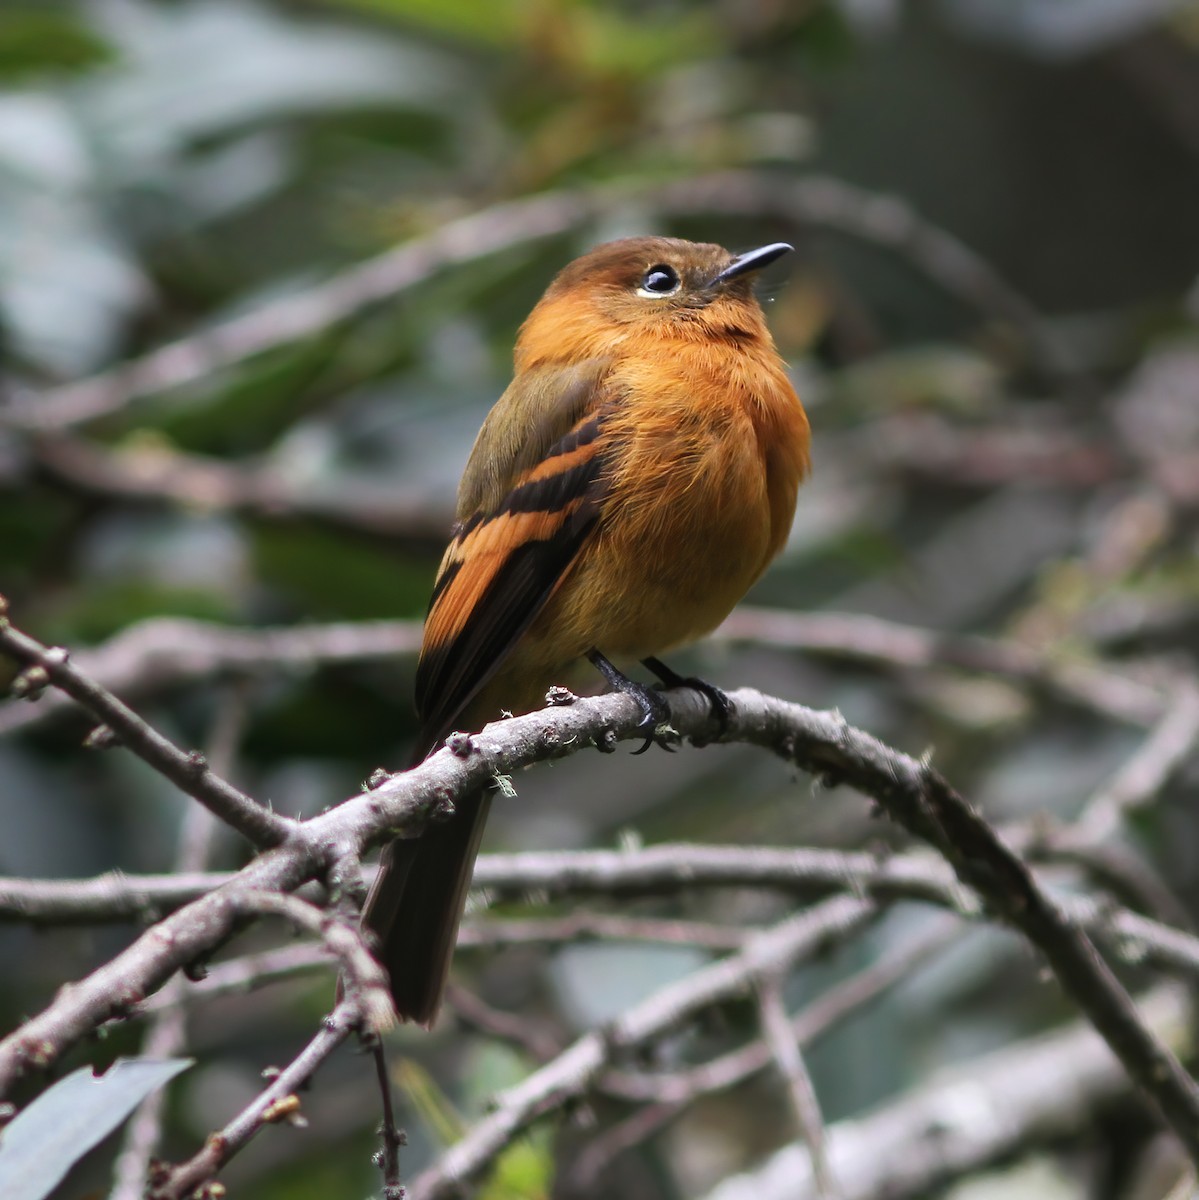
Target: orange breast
column 708, row 452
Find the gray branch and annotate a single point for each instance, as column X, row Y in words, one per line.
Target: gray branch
column 963, row 1119
column 328, row 847
column 814, row 201
column 166, row 652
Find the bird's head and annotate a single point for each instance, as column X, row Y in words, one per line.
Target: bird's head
column 653, row 287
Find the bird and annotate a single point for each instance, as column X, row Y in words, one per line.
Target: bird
column 633, row 481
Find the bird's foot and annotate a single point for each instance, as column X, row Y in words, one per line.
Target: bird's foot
column 722, row 706
column 655, row 712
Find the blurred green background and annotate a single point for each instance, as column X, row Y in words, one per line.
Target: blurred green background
column 1015, row 454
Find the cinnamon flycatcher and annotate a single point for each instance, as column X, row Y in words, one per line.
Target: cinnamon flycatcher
column 631, row 484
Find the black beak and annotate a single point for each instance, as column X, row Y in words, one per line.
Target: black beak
column 752, row 260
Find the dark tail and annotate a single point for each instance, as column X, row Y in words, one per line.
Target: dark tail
column 416, row 904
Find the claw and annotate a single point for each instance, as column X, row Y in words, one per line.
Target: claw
column 721, row 705
column 654, row 709
column 649, row 734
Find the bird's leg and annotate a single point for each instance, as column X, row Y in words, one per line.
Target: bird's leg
column 654, row 710
column 722, row 706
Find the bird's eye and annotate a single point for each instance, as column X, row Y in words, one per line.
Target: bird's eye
column 660, row 280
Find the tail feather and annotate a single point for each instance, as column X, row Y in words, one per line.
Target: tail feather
column 416, row 906
column 416, row 903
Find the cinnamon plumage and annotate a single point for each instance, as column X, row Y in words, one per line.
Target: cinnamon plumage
column 634, row 480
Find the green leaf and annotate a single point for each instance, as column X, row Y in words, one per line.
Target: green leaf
column 53, row 1133
column 33, row 42
column 493, row 22
column 524, row 1171
column 103, row 607
column 330, row 575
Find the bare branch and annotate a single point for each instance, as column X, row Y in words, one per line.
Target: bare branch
column 397, row 807
column 1143, row 776
column 678, row 1089
column 113, row 896
column 1019, row 448
column 967, row 1117
column 256, row 970
column 981, row 859
column 576, row 1069
column 785, row 1051
column 530, row 1034
column 276, row 1102
column 823, row 743
column 881, row 220
column 670, row 866
column 257, row 489
column 1023, row 446
column 115, row 990
column 663, row 869
column 665, row 1096
column 871, row 640
column 1089, row 840
column 624, row 1135
column 302, row 315
column 390, row 1135
column 244, row 973
column 590, row 926
column 872, row 217
column 167, row 1032
column 189, row 772
column 653, row 870
column 166, row 1038
column 167, row 651
column 364, row 979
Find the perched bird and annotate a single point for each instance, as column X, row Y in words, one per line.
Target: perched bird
column 633, row 481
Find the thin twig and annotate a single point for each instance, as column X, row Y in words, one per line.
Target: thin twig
column 238, row 975
column 574, row 1071
column 113, row 896
column 1171, row 743
column 165, row 652
column 167, row 1033
column 652, row 870
column 164, row 1039
column 854, row 637
column 667, row 867
column 389, row 1134
column 364, row 978
column 1089, row 842
column 785, row 1051
column 491, row 932
column 114, row 990
column 1024, row 445
column 253, row 488
column 276, row 1102
column 809, row 201
column 962, row 1119
column 911, row 792
column 533, row 1036
column 191, row 773
column 667, row 1095
column 662, row 869
column 599, row 1153
column 245, row 973
column 680, row 1089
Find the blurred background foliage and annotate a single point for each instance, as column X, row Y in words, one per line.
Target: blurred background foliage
column 168, row 167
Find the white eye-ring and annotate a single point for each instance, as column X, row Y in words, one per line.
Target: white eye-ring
column 660, row 280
